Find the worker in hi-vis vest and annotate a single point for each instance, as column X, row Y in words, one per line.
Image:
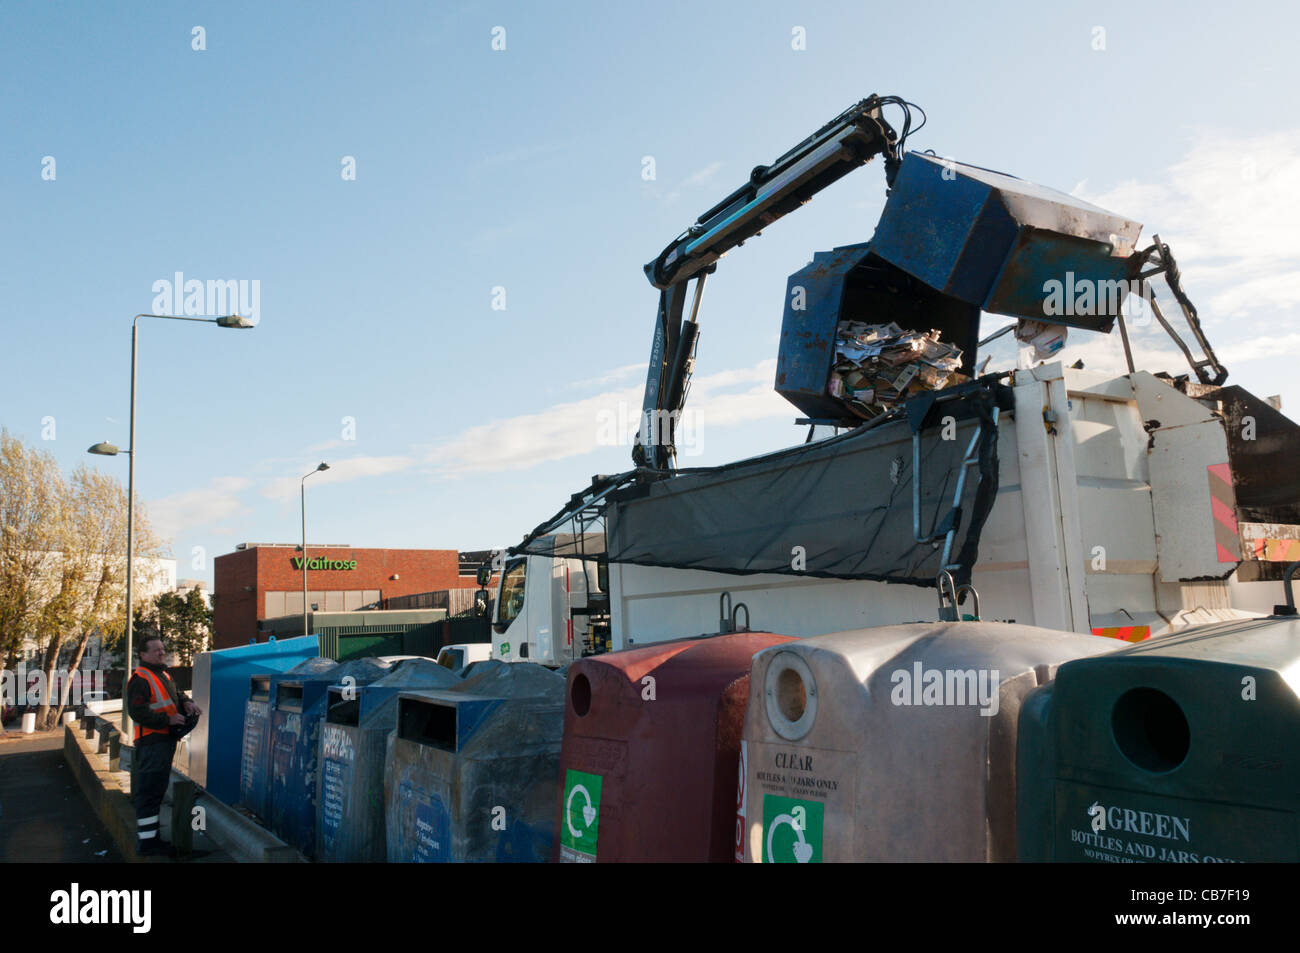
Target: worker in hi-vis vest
column 161, row 715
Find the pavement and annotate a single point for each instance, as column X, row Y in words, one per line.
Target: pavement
column 44, row 818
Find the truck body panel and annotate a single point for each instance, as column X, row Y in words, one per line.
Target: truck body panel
column 1105, row 521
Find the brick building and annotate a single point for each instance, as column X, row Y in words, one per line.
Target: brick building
column 264, row 580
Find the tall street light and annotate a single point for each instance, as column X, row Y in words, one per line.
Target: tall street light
column 302, row 486
column 106, row 449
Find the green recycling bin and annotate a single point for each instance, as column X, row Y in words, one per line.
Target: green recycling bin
column 1181, row 749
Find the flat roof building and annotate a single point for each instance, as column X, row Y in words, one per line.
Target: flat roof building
column 264, row 581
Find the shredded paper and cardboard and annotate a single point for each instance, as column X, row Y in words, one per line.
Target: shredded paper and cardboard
column 878, row 365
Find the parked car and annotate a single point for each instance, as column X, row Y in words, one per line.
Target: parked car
column 456, row 657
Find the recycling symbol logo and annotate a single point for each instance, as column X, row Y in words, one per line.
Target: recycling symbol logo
column 588, row 809
column 580, row 829
column 792, row 830
column 802, row 849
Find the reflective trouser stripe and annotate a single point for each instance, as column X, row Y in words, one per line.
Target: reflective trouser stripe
column 145, row 835
column 144, row 821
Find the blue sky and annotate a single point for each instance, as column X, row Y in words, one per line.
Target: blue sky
column 521, row 169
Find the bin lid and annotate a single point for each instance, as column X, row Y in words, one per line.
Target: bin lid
column 378, row 702
column 1271, row 642
column 509, row 680
column 993, row 240
column 896, row 665
column 312, row 667
column 1016, row 648
column 499, row 722
column 266, row 653
column 362, row 671
column 1201, row 723
column 717, row 658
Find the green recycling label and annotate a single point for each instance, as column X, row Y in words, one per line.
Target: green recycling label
column 792, row 830
column 580, row 821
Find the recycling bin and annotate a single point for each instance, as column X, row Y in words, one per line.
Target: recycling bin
column 296, row 712
column 895, row 743
column 253, row 786
column 255, row 767
column 213, row 753
column 473, row 768
column 353, row 753
column 651, row 750
column 1179, row 749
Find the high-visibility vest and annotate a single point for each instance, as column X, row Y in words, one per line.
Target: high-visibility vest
column 159, row 701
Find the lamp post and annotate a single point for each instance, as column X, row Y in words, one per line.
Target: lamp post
column 302, row 486
column 106, row 449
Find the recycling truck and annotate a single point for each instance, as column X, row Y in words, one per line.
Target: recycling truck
column 1125, row 505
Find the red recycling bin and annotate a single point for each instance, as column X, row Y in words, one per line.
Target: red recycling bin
column 651, row 751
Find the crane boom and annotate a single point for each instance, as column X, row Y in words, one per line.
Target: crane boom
column 851, row 139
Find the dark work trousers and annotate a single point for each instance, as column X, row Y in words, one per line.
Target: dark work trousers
column 153, row 771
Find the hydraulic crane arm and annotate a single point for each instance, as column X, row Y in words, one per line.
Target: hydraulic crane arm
column 848, row 141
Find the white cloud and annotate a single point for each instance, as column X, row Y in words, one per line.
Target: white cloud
column 1153, row 351
column 515, row 443
column 1228, row 211
column 219, row 500
column 1265, row 346
column 701, row 176
column 759, row 401
column 609, row 377
column 575, row 428
column 341, row 471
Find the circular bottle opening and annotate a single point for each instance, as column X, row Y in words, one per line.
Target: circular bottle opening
column 791, row 696
column 790, row 693
column 1150, row 729
column 580, row 696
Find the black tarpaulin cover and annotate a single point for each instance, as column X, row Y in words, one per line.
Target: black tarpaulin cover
column 840, row 508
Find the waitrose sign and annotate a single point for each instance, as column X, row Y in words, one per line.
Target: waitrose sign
column 318, row 563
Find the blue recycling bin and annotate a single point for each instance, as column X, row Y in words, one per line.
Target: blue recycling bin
column 299, row 701
column 353, row 756
column 473, row 768
column 253, row 787
column 255, row 763
column 213, row 755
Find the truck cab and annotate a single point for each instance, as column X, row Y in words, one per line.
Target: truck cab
column 551, row 609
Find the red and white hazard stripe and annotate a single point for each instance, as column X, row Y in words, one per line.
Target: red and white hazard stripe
column 1223, row 504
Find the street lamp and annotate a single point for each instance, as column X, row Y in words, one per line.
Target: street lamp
column 302, row 486
column 106, row 449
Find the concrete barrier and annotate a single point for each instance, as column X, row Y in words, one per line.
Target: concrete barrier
column 233, row 833
column 102, row 790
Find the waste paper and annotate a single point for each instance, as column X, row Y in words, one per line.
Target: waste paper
column 878, row 365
